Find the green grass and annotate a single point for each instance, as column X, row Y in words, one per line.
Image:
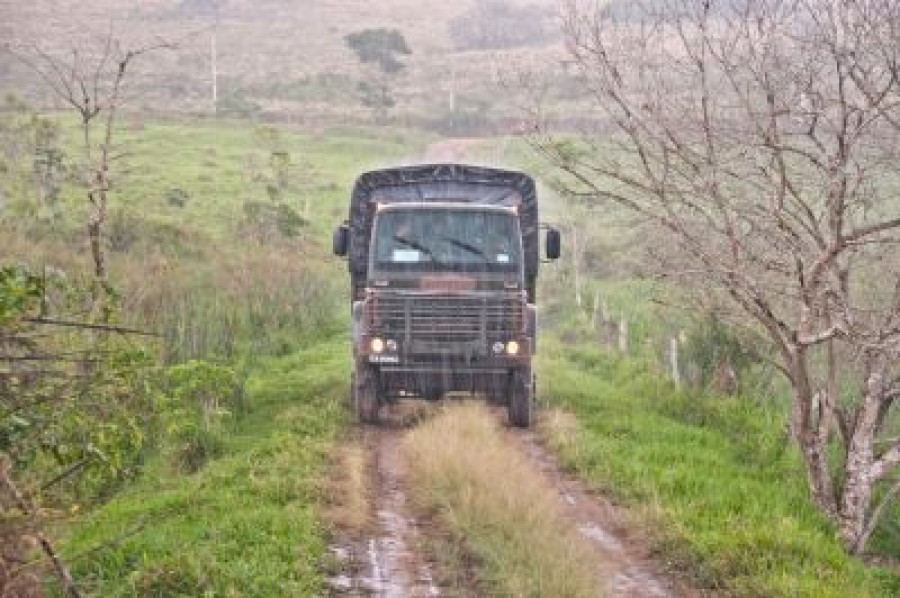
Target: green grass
column 247, row 523
column 723, row 493
column 493, row 499
column 220, row 165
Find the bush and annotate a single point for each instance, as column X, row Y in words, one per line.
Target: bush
column 267, row 221
column 177, row 197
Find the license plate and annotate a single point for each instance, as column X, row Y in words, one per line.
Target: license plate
column 384, row 359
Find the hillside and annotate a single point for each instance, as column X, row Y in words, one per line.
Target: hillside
column 289, row 58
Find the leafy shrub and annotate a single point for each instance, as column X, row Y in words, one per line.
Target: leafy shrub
column 200, row 394
column 177, row 197
column 380, row 47
column 267, row 221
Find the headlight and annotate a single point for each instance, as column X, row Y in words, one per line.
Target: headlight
column 498, row 348
column 512, row 348
column 377, row 345
column 391, row 345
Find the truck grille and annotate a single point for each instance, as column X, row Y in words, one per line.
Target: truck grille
column 441, row 317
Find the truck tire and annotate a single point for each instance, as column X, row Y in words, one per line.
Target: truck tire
column 520, row 394
column 365, row 394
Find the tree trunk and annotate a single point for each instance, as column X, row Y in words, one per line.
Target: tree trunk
column 859, row 478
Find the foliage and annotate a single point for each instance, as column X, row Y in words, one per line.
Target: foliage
column 265, row 221
column 380, row 47
column 33, row 166
column 177, row 197
column 199, row 395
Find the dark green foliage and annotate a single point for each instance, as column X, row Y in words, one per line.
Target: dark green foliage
column 78, row 406
column 266, row 221
column 380, row 47
column 177, row 197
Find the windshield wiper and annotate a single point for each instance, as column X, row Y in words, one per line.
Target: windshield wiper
column 463, row 245
column 417, row 246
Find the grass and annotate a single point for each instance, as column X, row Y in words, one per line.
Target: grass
column 489, row 495
column 714, row 477
column 248, row 522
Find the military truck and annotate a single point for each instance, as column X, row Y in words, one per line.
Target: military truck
column 443, row 262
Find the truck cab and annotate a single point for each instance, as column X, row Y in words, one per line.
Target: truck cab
column 442, row 297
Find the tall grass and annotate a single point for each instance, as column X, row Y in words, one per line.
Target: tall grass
column 493, row 498
column 256, row 299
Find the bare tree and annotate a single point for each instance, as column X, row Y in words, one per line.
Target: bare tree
column 91, row 81
column 761, row 139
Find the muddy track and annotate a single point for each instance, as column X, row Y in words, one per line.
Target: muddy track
column 388, row 557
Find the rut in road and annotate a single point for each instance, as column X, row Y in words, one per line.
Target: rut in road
column 386, row 558
column 624, row 562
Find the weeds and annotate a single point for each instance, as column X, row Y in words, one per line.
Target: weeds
column 490, row 496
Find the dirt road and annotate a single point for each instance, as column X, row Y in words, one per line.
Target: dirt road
column 389, row 556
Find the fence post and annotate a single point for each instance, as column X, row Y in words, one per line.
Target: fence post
column 673, row 360
column 623, row 335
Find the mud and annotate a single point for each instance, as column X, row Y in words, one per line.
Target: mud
column 386, row 560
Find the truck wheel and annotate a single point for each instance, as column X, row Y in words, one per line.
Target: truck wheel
column 520, row 398
column 365, row 394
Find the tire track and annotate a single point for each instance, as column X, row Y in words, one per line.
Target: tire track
column 624, row 562
column 387, row 560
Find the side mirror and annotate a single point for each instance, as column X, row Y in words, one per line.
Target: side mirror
column 552, row 244
column 340, row 240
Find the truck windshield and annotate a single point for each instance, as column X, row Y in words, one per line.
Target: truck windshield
column 447, row 239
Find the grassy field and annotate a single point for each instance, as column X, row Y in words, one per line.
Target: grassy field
column 712, row 479
column 247, row 523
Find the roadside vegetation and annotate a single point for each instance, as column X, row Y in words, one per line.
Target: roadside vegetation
column 493, row 500
column 195, row 464
column 713, row 480
column 246, row 520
